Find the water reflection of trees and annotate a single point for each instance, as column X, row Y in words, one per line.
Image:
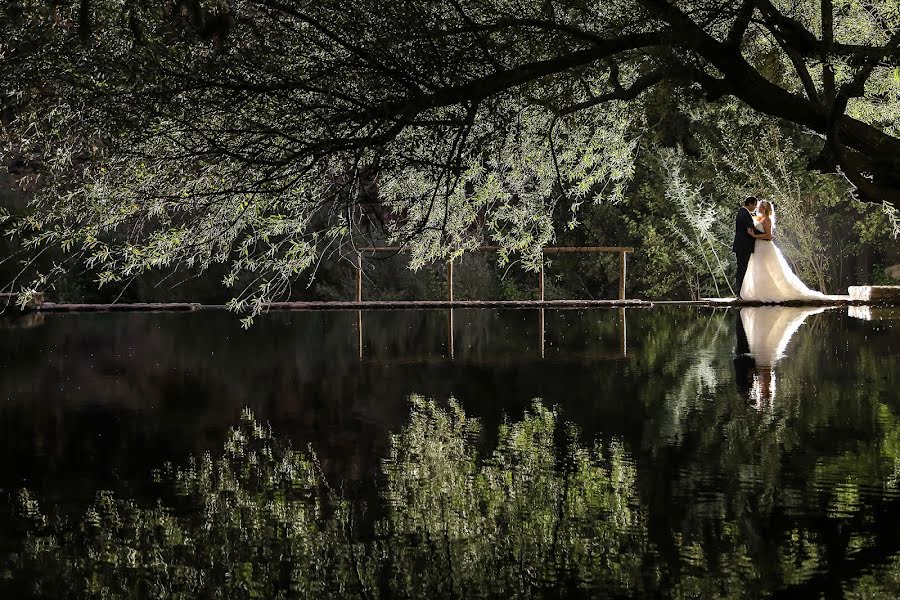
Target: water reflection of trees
column 258, row 520
column 542, row 513
column 723, row 499
column 810, row 480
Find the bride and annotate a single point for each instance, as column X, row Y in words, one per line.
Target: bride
column 769, row 277
column 763, row 335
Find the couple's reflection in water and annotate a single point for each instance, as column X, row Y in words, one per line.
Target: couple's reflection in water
column 763, row 334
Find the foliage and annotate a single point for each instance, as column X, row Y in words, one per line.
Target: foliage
column 681, row 216
column 234, row 526
column 262, row 136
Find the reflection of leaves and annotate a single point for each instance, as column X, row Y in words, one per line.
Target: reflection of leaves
column 531, row 512
column 241, row 525
column 541, row 512
column 258, row 521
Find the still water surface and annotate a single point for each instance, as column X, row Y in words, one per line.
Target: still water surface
column 665, row 452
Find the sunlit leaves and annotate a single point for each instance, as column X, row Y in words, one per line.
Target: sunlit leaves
column 268, row 136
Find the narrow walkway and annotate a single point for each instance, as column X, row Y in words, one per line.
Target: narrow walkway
column 862, row 296
column 125, row 307
column 438, row 304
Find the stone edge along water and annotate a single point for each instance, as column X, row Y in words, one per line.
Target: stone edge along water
column 869, row 293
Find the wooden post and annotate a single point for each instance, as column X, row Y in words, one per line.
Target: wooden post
column 541, row 339
column 358, row 278
column 623, row 333
column 541, row 279
column 622, row 276
column 359, row 337
column 450, row 280
column 450, row 333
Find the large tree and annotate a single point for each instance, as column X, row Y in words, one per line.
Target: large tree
column 264, row 133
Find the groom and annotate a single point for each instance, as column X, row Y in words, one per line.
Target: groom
column 743, row 242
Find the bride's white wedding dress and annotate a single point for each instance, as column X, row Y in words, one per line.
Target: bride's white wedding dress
column 770, row 278
column 769, row 329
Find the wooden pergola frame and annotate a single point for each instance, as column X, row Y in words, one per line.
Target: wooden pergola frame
column 621, row 250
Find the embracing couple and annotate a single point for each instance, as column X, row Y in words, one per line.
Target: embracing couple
column 763, row 275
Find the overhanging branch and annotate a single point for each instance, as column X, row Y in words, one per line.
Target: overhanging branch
column 497, row 82
column 641, row 84
column 739, row 27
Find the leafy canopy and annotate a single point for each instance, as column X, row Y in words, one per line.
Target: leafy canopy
column 265, row 134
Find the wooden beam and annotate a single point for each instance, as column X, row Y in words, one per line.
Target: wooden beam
column 622, row 276
column 548, row 249
column 586, row 249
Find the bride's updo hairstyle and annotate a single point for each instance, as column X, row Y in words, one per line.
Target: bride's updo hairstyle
column 765, row 207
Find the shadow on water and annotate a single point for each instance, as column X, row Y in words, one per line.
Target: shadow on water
column 714, row 454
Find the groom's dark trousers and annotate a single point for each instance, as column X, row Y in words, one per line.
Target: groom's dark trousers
column 743, row 245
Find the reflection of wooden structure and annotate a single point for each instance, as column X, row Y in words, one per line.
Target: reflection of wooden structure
column 621, row 251
column 451, row 342
column 875, row 313
column 24, row 321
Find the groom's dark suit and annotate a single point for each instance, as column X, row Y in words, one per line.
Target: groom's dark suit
column 744, row 363
column 743, row 244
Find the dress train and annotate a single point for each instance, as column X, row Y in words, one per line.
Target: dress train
column 770, row 278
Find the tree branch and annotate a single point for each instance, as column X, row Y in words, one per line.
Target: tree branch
column 510, row 23
column 739, row 27
column 856, row 87
column 796, row 58
column 619, row 93
column 480, row 88
column 477, row 34
column 790, row 31
column 743, row 80
column 802, row 72
column 793, row 34
column 827, row 14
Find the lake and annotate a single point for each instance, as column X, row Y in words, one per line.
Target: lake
column 675, row 452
